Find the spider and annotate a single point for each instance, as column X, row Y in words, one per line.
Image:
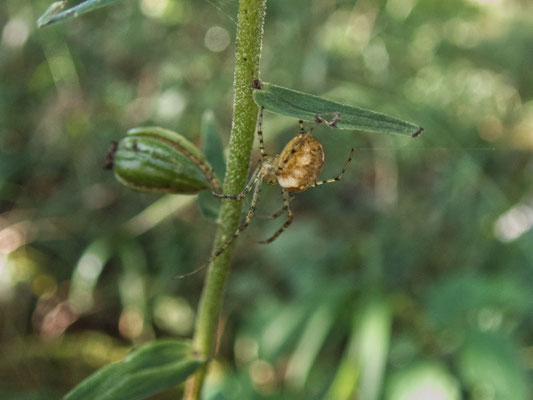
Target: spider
column 296, row 169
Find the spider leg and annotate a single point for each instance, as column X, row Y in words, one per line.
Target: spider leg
column 245, row 191
column 302, row 130
column 287, row 207
column 338, row 177
column 332, row 123
column 260, row 132
column 277, row 213
column 241, row 228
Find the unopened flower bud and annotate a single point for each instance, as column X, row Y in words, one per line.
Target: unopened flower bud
column 152, row 159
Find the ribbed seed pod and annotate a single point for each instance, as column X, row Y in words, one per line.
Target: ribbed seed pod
column 152, row 159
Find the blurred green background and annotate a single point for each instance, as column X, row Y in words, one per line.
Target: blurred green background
column 410, row 279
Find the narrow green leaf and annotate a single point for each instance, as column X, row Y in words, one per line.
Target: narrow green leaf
column 305, row 106
column 311, row 341
column 55, row 12
column 363, row 365
column 82, row 285
column 145, row 371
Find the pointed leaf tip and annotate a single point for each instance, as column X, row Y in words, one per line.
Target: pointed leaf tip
column 53, row 9
column 418, row 132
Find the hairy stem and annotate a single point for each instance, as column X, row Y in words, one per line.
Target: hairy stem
column 250, row 23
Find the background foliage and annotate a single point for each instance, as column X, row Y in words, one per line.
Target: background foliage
column 411, row 277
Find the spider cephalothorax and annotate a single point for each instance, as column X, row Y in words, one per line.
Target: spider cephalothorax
column 295, row 169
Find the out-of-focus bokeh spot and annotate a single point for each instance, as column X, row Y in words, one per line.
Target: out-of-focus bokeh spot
column 246, row 349
column 423, row 382
column 154, row 8
column 400, row 9
column 15, row 33
column 174, row 315
column 216, row 39
column 514, row 222
column 170, row 105
column 262, row 375
column 131, row 323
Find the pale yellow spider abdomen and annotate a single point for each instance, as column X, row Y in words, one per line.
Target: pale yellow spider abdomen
column 300, row 163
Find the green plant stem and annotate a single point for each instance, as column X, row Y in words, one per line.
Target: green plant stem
column 251, row 16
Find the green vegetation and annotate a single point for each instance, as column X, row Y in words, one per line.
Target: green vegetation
column 411, row 276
